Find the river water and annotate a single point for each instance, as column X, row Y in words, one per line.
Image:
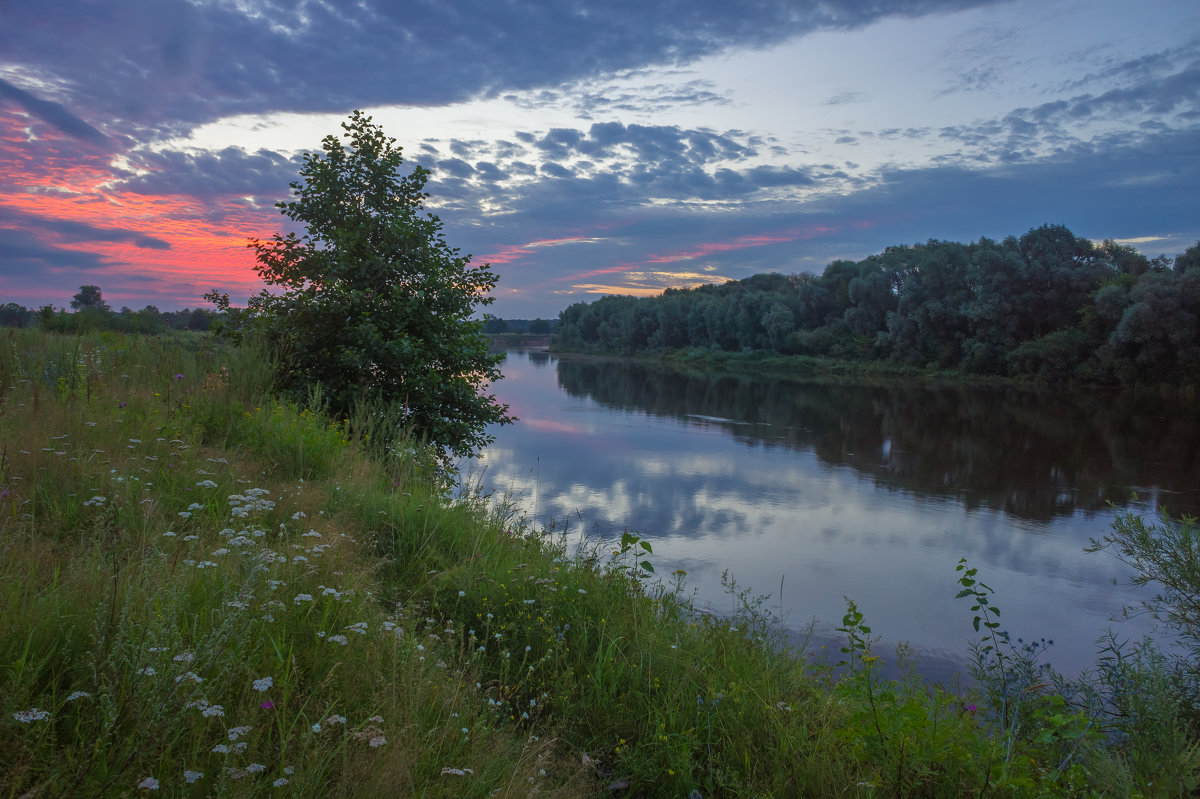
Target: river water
column 814, row 492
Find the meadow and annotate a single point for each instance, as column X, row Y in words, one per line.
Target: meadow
column 209, row 592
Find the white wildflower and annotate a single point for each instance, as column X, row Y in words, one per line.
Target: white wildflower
column 302, row 598
column 377, row 742
column 237, row 732
column 191, row 776
column 78, row 695
column 263, row 683
column 149, row 784
column 31, row 715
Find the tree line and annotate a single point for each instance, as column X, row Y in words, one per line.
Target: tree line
column 1048, row 305
column 91, row 312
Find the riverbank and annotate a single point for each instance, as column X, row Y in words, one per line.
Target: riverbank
column 867, row 373
column 208, row 592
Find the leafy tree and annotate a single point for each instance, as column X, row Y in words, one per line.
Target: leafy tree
column 493, row 324
column 539, row 326
column 375, row 305
column 89, row 298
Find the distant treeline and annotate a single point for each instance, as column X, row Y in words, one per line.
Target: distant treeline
column 494, row 325
column 1047, row 305
column 90, row 312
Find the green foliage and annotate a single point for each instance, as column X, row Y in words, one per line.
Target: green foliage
column 1165, row 555
column 375, row 305
column 89, row 298
column 1048, row 306
column 170, row 538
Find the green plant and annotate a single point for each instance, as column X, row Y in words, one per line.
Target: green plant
column 375, row 305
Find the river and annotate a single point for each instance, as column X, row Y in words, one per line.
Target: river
column 813, row 492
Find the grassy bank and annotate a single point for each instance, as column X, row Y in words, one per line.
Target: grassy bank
column 207, row 592
column 812, row 368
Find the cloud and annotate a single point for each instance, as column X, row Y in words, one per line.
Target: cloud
column 231, row 171
column 161, row 64
column 54, row 114
column 75, row 232
column 27, row 255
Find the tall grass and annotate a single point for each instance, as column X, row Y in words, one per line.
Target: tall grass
column 204, row 591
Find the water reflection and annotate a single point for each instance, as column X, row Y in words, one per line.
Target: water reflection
column 1032, row 455
column 838, row 491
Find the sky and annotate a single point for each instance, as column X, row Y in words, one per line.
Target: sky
column 585, row 148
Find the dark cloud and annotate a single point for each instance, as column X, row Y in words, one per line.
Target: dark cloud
column 73, row 232
column 168, row 64
column 455, row 167
column 27, row 255
column 54, row 114
column 208, row 174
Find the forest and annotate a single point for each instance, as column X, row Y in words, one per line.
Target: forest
column 1050, row 306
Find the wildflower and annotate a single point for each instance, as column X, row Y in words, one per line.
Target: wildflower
column 149, row 784
column 216, row 553
column 316, row 727
column 192, row 776
column 221, row 749
column 179, row 377
column 184, row 657
column 183, row 514
column 457, row 772
column 336, row 720
column 338, row 639
column 212, row 710
column 31, row 715
column 462, row 593
column 279, row 783
column 237, row 732
column 582, row 591
column 298, row 515
column 78, row 695
column 189, row 676
column 148, row 671
column 302, row 598
column 169, row 534
column 255, row 768
column 268, row 705
column 206, row 564
column 263, row 683
column 377, row 742
column 206, row 484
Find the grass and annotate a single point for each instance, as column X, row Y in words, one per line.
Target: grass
column 204, row 592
